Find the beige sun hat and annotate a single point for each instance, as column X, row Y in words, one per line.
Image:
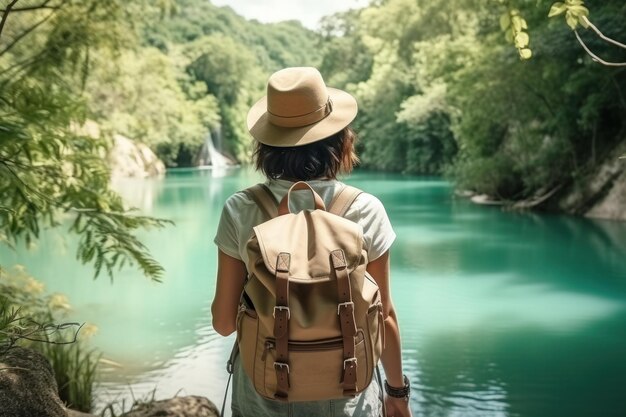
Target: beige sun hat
column 299, row 109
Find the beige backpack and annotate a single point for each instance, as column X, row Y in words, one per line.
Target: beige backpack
column 310, row 326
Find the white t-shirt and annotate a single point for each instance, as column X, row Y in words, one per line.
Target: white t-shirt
column 241, row 214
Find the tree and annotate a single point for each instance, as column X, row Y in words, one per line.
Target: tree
column 442, row 90
column 147, row 95
column 49, row 169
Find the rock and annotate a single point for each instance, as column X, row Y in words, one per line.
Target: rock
column 602, row 193
column 484, row 199
column 133, row 159
column 464, row 193
column 613, row 204
column 190, row 406
column 27, row 385
column 74, row 413
column 126, row 158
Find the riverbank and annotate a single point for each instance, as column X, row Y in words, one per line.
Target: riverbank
column 600, row 193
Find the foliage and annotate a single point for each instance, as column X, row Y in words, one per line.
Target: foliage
column 27, row 317
column 75, row 369
column 514, row 26
column 49, row 169
column 147, row 95
column 120, row 408
column 231, row 72
column 441, row 92
column 574, row 12
column 232, row 58
column 274, row 46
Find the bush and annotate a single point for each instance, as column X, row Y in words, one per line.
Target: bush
column 26, row 318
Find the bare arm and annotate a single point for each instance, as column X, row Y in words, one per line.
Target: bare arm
column 391, row 357
column 231, row 275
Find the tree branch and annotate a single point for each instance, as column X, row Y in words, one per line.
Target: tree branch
column 597, row 58
column 26, row 32
column 23, row 64
column 5, row 14
column 601, row 35
column 43, row 5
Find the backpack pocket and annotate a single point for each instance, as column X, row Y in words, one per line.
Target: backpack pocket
column 249, row 345
column 376, row 330
column 316, row 368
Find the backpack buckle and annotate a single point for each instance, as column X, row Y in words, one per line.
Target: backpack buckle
column 281, row 365
column 346, row 304
column 344, row 362
column 279, row 308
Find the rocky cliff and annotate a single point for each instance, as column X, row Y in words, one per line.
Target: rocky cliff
column 599, row 194
column 133, row 159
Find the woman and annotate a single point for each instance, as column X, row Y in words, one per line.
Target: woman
column 302, row 134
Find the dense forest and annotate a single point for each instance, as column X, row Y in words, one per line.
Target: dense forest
column 441, row 87
column 441, row 90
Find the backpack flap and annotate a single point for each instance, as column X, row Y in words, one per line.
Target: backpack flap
column 309, row 237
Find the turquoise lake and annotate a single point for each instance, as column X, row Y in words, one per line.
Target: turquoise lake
column 501, row 313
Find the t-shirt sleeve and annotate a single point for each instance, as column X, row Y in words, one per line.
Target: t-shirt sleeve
column 378, row 233
column 226, row 238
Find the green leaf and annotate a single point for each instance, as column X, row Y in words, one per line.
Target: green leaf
column 557, row 9
column 517, row 23
column 505, row 21
column 578, row 11
column 525, row 53
column 521, row 40
column 524, row 24
column 571, row 20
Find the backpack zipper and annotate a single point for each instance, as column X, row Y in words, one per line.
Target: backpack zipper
column 305, row 346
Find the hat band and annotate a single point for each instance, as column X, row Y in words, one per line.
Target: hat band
column 303, row 119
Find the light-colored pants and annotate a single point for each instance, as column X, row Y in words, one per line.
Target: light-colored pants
column 248, row 403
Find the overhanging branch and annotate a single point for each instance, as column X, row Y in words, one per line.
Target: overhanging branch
column 596, row 57
column 5, row 14
column 26, row 32
column 601, row 35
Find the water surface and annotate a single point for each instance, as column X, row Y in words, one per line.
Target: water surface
column 502, row 314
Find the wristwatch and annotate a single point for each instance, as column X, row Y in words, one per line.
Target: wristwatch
column 403, row 392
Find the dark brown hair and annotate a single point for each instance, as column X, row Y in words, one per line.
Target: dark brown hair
column 322, row 159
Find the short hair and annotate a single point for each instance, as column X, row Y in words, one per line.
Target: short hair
column 325, row 158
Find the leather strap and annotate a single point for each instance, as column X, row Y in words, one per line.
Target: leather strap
column 381, row 323
column 345, row 310
column 230, row 369
column 343, row 200
column 263, row 198
column 281, row 325
column 283, row 207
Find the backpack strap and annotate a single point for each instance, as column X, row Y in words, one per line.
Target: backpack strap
column 343, row 200
column 230, row 369
column 282, row 315
column 345, row 311
column 263, row 198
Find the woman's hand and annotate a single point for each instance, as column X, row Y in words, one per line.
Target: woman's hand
column 397, row 407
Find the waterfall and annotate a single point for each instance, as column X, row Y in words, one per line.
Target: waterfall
column 211, row 156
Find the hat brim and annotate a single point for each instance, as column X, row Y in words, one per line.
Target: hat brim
column 344, row 111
